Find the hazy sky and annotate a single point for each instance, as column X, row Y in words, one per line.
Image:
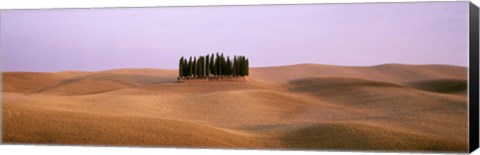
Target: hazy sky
column 338, row 34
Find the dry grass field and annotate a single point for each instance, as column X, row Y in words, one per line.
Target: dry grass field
column 308, row 106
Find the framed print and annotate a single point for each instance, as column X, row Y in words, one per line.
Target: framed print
column 395, row 77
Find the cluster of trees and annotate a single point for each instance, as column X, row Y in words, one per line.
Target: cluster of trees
column 212, row 65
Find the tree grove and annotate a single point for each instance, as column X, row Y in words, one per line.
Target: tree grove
column 214, row 65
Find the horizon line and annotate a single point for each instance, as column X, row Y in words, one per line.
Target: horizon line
column 296, row 64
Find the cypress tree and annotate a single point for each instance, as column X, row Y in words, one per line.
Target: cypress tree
column 195, row 67
column 222, row 62
column 190, row 67
column 180, row 68
column 207, row 66
column 225, row 67
column 206, row 69
column 235, row 66
column 202, row 67
column 228, row 67
column 212, row 65
column 246, row 67
column 239, row 67
column 185, row 67
column 234, row 69
column 218, row 65
column 243, row 66
column 199, row 69
column 239, row 64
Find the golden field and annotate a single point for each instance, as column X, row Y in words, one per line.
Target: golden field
column 306, row 106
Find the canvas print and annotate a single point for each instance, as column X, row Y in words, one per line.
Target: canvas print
column 372, row 76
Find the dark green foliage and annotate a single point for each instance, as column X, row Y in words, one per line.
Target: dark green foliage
column 228, row 67
column 207, row 66
column 195, row 67
column 216, row 65
column 234, row 66
column 222, row 65
column 246, row 67
column 190, row 67
column 240, row 66
column 201, row 67
column 180, row 68
column 185, row 68
column 212, row 65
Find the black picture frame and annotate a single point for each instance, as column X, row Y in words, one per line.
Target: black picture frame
column 473, row 78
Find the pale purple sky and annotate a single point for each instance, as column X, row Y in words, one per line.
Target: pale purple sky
column 337, row 34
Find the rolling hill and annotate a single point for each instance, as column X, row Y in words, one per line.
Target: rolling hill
column 306, row 106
